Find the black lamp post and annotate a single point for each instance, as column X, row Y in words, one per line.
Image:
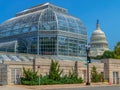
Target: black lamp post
column 88, row 61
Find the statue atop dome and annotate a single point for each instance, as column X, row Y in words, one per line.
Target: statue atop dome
column 97, row 25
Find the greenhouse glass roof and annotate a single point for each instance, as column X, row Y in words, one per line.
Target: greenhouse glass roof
column 42, row 17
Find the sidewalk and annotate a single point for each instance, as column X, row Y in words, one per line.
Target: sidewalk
column 52, row 87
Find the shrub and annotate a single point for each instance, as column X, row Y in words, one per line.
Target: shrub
column 55, row 71
column 72, row 78
column 68, row 80
column 96, row 77
column 29, row 77
column 54, row 76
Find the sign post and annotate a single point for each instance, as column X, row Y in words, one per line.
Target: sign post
column 39, row 73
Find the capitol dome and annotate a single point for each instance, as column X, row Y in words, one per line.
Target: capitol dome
column 98, row 41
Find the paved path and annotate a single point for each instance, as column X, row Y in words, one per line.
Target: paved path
column 91, row 88
column 70, row 87
column 76, row 87
column 12, row 88
column 62, row 87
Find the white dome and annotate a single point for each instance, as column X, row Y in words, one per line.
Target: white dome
column 96, row 32
column 98, row 36
column 98, row 42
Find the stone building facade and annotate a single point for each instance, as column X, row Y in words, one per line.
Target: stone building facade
column 11, row 71
column 112, row 70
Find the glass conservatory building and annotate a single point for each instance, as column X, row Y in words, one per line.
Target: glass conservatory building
column 45, row 29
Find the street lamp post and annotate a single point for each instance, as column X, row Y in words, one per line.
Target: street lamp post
column 88, row 61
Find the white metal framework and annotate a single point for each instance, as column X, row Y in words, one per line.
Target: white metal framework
column 45, row 29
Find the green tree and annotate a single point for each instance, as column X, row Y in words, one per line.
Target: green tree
column 55, row 71
column 98, row 57
column 96, row 77
column 115, row 54
column 108, row 54
column 29, row 77
column 117, row 51
column 72, row 74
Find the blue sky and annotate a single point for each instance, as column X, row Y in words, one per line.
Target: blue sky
column 107, row 11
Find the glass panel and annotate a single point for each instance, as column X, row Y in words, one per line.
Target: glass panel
column 48, row 45
column 48, row 21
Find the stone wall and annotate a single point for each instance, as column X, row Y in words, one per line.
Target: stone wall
column 13, row 67
column 66, row 66
column 3, row 74
column 112, row 70
column 43, row 65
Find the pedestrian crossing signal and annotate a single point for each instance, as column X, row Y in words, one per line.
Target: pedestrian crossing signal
column 88, row 61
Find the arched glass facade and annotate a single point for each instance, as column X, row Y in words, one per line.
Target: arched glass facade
column 48, row 27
